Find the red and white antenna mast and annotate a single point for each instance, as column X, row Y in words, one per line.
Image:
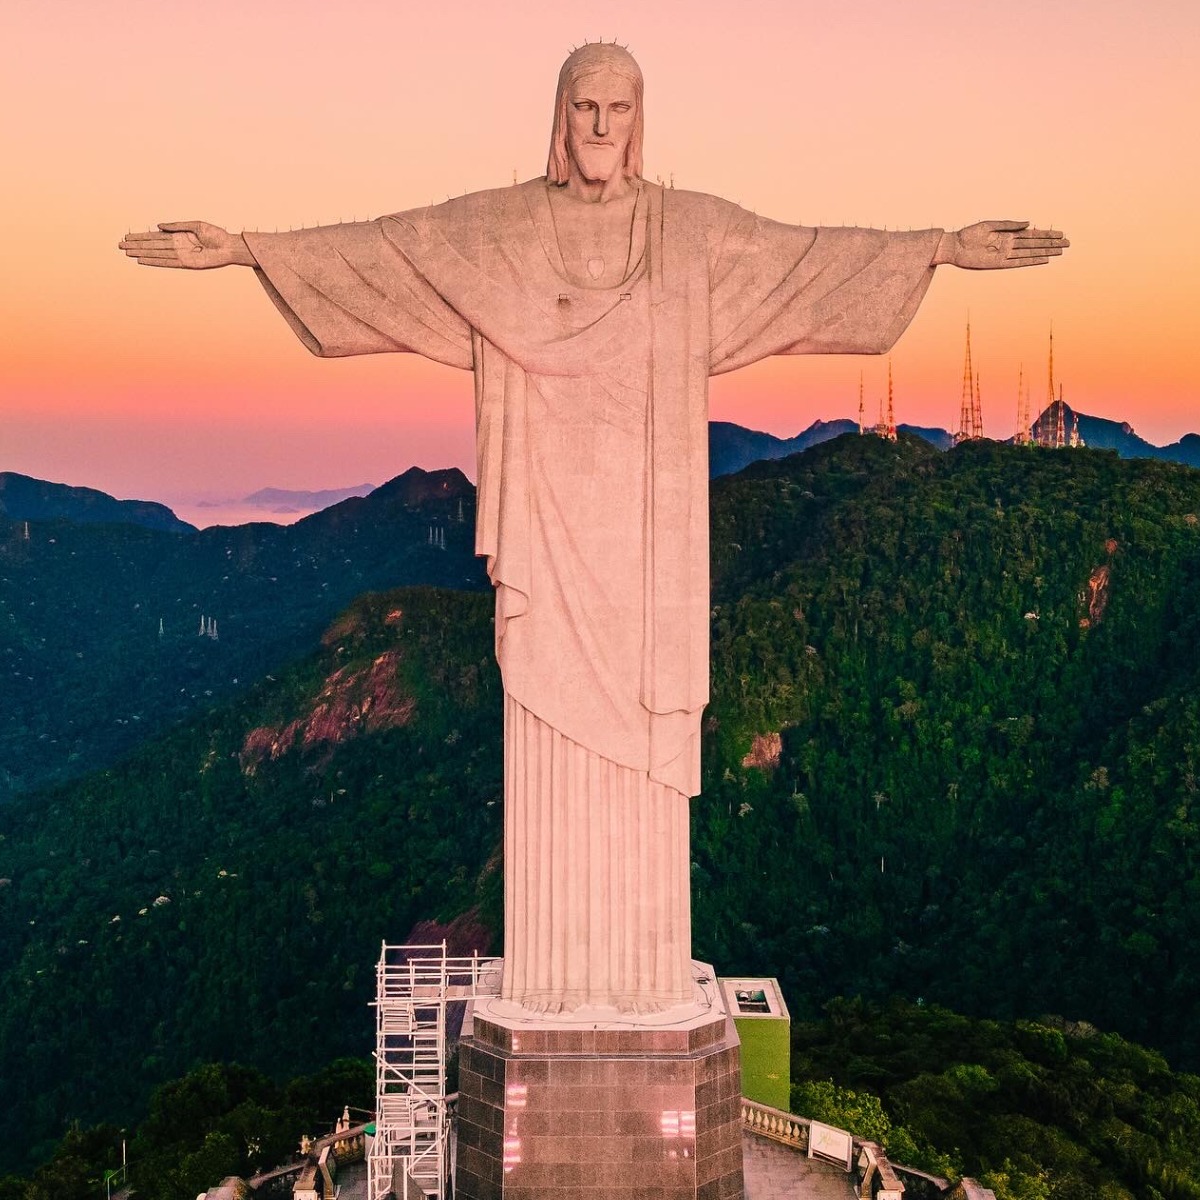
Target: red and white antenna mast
column 1022, row 437
column 966, row 419
column 891, row 416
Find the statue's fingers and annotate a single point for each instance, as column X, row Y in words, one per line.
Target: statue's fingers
column 147, row 243
column 1025, row 262
column 1033, row 251
column 153, row 235
column 158, row 254
column 181, row 226
column 1007, row 226
column 1028, row 240
column 144, row 261
column 1046, row 233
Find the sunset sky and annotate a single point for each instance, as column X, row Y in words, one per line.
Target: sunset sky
column 172, row 385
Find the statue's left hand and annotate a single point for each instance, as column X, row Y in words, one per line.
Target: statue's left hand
column 194, row 245
column 993, row 244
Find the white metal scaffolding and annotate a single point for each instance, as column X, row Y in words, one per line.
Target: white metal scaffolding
column 413, row 985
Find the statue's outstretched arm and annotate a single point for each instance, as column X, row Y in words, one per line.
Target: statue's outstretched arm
column 992, row 244
column 195, row 245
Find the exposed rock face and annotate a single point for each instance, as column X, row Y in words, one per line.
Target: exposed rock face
column 1094, row 597
column 764, row 751
column 351, row 702
column 465, row 935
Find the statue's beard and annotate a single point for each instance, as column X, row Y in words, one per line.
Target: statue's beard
column 598, row 163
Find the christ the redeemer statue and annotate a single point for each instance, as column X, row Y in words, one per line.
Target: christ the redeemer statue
column 592, row 307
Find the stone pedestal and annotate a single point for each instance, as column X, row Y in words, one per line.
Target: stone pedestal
column 599, row 1112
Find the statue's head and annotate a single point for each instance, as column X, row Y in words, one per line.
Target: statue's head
column 597, row 116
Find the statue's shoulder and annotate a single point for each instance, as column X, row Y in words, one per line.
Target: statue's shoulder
column 468, row 207
column 697, row 207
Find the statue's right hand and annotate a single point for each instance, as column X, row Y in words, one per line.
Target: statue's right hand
column 196, row 245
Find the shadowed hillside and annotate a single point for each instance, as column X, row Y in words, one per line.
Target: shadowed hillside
column 100, row 625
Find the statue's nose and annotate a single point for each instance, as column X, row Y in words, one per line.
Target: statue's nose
column 601, row 123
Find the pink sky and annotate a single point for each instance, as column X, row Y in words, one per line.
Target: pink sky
column 171, row 385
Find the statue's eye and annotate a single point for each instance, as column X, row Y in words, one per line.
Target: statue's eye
column 621, row 108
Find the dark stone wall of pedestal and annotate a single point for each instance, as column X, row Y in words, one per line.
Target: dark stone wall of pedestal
column 603, row 1115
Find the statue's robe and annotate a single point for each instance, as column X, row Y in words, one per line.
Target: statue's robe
column 591, row 407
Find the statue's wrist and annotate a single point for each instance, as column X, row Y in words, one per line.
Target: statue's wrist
column 239, row 253
column 946, row 253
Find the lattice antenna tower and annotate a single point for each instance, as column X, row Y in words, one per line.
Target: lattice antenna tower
column 891, row 415
column 1021, row 437
column 966, row 417
column 1046, row 438
column 1050, row 377
column 1060, row 433
column 977, row 411
column 862, row 421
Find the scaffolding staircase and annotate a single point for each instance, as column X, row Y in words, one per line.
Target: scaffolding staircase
column 409, row 1157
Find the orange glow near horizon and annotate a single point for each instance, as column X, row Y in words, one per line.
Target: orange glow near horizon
column 158, row 383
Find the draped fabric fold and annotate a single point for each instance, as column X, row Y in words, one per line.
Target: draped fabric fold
column 478, row 282
column 597, row 903
column 592, row 444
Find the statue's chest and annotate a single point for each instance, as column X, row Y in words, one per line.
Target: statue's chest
column 597, row 242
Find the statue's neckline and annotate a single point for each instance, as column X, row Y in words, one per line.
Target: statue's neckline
column 543, row 220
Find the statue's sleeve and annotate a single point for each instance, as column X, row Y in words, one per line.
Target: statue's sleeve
column 793, row 289
column 348, row 289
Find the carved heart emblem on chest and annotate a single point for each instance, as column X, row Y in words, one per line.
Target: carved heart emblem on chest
column 595, row 267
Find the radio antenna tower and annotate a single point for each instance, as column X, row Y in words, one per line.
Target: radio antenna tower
column 1022, row 437
column 1050, row 384
column 891, row 416
column 977, row 410
column 966, row 421
column 1044, row 436
column 862, row 423
column 1060, row 433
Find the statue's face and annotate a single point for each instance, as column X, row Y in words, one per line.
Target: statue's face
column 601, row 112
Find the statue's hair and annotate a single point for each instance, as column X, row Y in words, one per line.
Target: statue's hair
column 589, row 58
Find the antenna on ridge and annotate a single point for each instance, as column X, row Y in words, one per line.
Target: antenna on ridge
column 966, row 419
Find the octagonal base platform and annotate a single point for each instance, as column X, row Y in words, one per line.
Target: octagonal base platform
column 598, row 1112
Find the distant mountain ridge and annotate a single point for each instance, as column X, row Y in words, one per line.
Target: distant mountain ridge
column 733, row 447
column 292, row 500
column 1102, row 434
column 23, row 498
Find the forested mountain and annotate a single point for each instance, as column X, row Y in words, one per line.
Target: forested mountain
column 972, row 682
column 222, row 893
column 23, row 498
column 732, row 447
column 952, row 753
column 101, row 635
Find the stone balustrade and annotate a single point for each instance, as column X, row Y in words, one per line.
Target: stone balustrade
column 775, row 1124
column 877, row 1179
